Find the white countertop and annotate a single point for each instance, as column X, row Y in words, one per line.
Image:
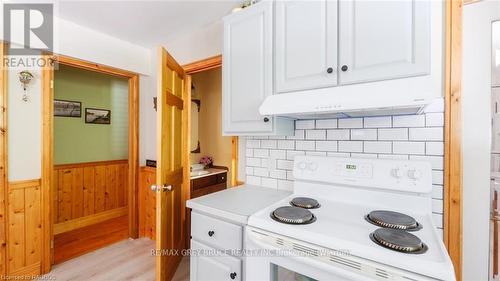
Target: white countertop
column 211, row 171
column 238, row 203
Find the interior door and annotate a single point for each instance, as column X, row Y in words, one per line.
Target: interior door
column 172, row 173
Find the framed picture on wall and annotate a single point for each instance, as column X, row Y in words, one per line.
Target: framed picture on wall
column 65, row 108
column 97, row 116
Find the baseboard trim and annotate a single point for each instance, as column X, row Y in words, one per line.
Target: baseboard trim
column 89, row 220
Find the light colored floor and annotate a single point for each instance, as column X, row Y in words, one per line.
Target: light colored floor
column 125, row 260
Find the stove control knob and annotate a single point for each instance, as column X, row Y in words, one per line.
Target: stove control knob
column 302, row 165
column 313, row 166
column 414, row 174
column 396, row 172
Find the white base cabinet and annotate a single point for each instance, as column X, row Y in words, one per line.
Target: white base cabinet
column 207, row 266
column 216, row 246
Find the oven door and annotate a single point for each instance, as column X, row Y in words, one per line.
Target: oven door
column 265, row 262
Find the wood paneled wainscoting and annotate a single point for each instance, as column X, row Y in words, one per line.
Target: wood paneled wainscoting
column 89, row 193
column 147, row 203
column 24, row 228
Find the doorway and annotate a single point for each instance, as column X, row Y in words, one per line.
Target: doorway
column 90, row 158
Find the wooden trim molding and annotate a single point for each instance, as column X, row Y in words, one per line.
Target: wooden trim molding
column 3, row 161
column 47, row 146
column 453, row 136
column 203, row 65
column 90, row 164
column 93, row 66
column 22, row 184
column 89, row 220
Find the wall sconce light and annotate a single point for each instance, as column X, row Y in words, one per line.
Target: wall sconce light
column 25, row 78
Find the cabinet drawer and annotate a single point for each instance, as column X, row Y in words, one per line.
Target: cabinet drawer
column 204, row 182
column 217, row 233
column 206, row 267
column 221, row 178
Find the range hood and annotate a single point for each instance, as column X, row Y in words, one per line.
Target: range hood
column 315, row 105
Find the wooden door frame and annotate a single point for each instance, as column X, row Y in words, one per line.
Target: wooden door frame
column 48, row 149
column 453, row 135
column 204, row 65
column 3, row 161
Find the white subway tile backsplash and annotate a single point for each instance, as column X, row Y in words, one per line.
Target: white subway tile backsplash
column 290, row 154
column 268, row 143
column 305, row 145
column 278, row 174
column 299, row 135
column 316, row 153
column 338, row 154
column 260, row 153
column 316, row 135
column 408, row 147
column 434, row 119
column 408, row 121
column 304, row 124
column 261, row 172
column 378, row 147
column 363, row 155
column 393, row 134
column 326, row 145
column 253, row 143
column 350, row 146
column 269, row 160
column 338, row 134
column 278, row 154
column 434, row 148
column 253, row 162
column 427, row 134
column 253, row 180
column 378, row 122
column 284, row 164
column 286, row 144
column 437, row 162
column 350, row 123
column 326, row 124
column 364, row 134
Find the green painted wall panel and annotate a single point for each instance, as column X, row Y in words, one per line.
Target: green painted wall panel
column 74, row 140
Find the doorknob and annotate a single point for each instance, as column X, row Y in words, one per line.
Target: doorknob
column 165, row 187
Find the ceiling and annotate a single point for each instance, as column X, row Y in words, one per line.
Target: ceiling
column 145, row 23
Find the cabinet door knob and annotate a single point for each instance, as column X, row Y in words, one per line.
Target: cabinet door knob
column 211, row 233
column 344, row 68
column 266, row 119
column 232, row 275
column 329, row 70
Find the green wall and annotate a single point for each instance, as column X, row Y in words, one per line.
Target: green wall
column 75, row 141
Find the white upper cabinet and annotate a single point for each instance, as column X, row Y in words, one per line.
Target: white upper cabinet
column 381, row 40
column 306, row 44
column 248, row 72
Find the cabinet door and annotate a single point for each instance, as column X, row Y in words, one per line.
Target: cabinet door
column 382, row 40
column 306, row 45
column 247, row 69
column 210, row 266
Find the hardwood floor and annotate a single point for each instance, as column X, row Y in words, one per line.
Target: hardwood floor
column 125, row 260
column 87, row 239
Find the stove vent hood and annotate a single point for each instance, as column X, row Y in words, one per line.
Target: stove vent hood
column 315, row 105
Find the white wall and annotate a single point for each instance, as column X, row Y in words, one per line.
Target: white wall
column 476, row 104
column 147, row 122
column 201, row 44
